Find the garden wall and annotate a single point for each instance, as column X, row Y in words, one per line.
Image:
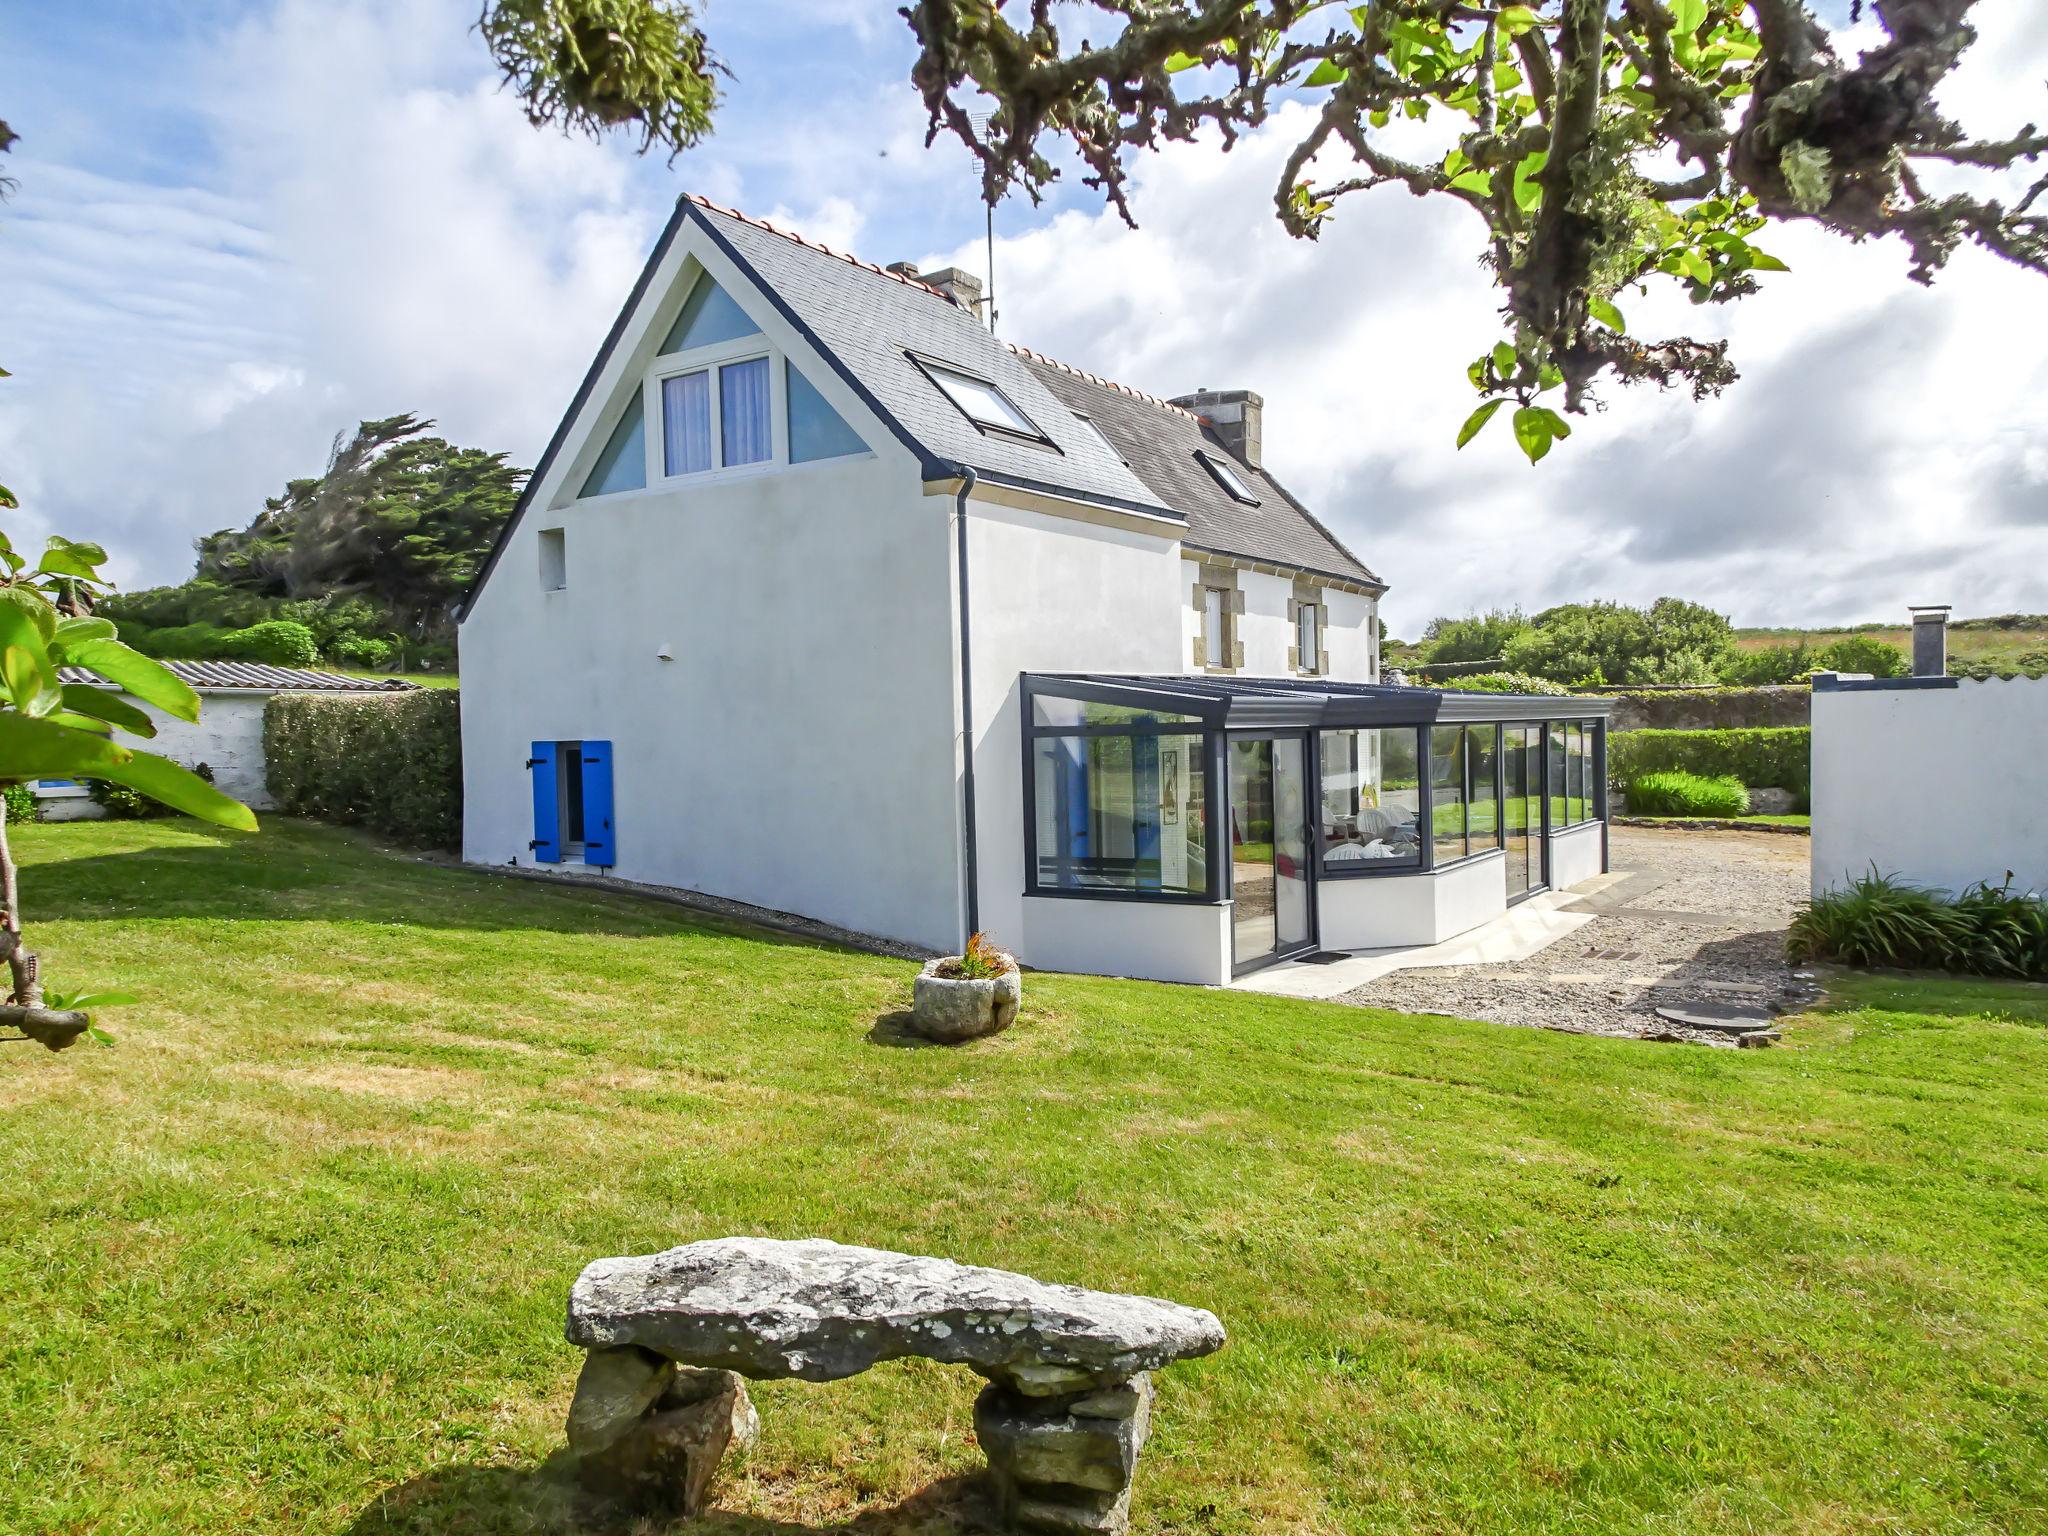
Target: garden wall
column 1933, row 780
column 390, row 762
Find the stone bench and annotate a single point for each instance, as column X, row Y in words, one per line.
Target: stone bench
column 1065, row 1413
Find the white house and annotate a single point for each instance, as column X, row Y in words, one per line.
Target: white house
column 823, row 598
column 228, row 737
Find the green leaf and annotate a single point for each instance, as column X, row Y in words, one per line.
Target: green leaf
column 99, row 1036
column 1516, row 19
column 1474, row 181
column 1477, row 420
column 26, row 671
column 179, row 788
column 40, row 749
column 1688, row 16
column 1605, row 312
column 86, row 1001
column 1176, row 62
column 84, row 699
column 1764, row 261
column 64, row 559
column 1328, row 72
column 71, row 631
column 130, row 670
column 1504, row 358
column 7, row 498
column 1536, row 427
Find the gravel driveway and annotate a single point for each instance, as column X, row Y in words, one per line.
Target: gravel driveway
column 1700, row 917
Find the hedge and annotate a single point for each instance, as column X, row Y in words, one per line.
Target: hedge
column 390, row 762
column 1780, row 756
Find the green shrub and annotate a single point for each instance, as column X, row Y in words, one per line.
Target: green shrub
column 1672, row 793
column 1779, row 756
column 1879, row 920
column 1862, row 653
column 124, row 804
column 22, row 804
column 1768, row 665
column 390, row 762
column 352, row 650
column 181, row 642
column 1504, row 682
column 277, row 643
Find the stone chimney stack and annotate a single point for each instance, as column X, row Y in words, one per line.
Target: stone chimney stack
column 1930, row 641
column 963, row 288
column 1238, row 416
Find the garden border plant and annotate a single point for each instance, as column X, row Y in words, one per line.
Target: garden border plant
column 1881, row 920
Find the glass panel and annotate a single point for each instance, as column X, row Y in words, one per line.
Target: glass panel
column 981, row 400
column 1071, row 712
column 1290, row 843
column 816, row 431
column 1556, row 738
column 1482, row 746
column 1121, row 813
column 1231, row 480
column 709, row 316
column 1593, row 784
column 1514, row 779
column 1447, row 792
column 1575, row 772
column 686, row 424
column 1097, row 433
column 1254, row 929
column 743, row 413
column 1213, row 626
column 1371, row 799
column 623, row 464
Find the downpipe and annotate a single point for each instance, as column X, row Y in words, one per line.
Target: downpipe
column 968, row 852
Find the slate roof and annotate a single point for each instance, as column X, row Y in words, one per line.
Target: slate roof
column 1159, row 440
column 254, row 677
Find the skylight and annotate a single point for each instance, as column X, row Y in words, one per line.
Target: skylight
column 1100, row 436
column 980, row 401
column 1227, row 476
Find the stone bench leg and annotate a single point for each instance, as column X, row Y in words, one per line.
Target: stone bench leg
column 649, row 1434
column 1062, row 1464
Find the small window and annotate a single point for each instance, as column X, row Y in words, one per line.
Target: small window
column 554, row 560
column 980, row 401
column 745, row 433
column 1227, row 476
column 569, row 798
column 1308, row 635
column 1100, row 436
column 686, row 423
column 816, row 431
column 709, row 317
column 1215, row 627
column 622, row 466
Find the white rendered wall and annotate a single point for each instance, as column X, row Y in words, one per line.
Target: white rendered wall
column 1053, row 594
column 1575, row 855
column 1350, row 628
column 1938, row 786
column 228, row 738
column 1401, row 911
column 1154, row 941
column 795, row 752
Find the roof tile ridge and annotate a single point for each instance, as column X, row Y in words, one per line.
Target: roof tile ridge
column 1096, row 378
column 822, row 249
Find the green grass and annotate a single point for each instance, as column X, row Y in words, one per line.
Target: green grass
column 423, row 679
column 2016, row 643
column 1745, row 820
column 292, row 1255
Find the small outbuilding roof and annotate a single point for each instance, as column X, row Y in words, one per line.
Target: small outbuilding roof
column 255, row 677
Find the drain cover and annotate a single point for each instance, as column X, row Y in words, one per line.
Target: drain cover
column 1729, row 1018
column 1321, row 957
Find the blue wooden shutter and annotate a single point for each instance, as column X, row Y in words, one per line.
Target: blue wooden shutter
column 600, row 839
column 547, row 828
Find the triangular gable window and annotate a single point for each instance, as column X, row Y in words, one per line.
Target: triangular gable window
column 623, row 464
column 816, row 431
column 709, row 316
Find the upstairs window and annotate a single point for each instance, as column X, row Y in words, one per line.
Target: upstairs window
column 708, row 318
column 1227, row 476
column 1308, row 636
column 1100, row 436
column 980, row 401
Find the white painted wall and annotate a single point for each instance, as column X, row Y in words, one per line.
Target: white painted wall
column 1399, row 911
column 228, row 738
column 1576, row 854
column 1350, row 630
column 794, row 753
column 1938, row 786
column 1154, row 941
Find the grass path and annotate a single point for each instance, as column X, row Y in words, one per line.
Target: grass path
column 292, row 1256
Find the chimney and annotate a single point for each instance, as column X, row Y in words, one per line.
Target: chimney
column 1238, row 416
column 1930, row 641
column 963, row 288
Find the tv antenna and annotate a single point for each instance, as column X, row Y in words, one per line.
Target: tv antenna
column 980, row 122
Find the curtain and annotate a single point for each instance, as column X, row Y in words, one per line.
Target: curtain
column 743, row 412
column 686, row 423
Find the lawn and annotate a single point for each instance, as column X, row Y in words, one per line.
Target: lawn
column 292, row 1255
column 1800, row 820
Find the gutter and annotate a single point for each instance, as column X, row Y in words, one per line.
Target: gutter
column 968, row 478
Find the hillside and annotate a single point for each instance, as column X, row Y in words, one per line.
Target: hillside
column 2009, row 642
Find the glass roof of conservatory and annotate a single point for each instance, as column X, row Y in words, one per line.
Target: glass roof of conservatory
column 1283, row 703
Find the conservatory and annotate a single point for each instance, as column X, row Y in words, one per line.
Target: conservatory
column 1225, row 824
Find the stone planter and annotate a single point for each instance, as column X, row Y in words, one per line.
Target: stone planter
column 950, row 1009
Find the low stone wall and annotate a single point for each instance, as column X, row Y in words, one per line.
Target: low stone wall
column 1707, row 709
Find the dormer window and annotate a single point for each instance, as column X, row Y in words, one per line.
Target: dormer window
column 1100, row 436
column 980, row 401
column 1227, row 476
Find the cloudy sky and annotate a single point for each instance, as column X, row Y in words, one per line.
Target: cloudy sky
column 243, row 225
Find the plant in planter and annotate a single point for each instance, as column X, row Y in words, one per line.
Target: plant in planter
column 968, row 995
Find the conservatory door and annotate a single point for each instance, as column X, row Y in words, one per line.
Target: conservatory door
column 1269, row 849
